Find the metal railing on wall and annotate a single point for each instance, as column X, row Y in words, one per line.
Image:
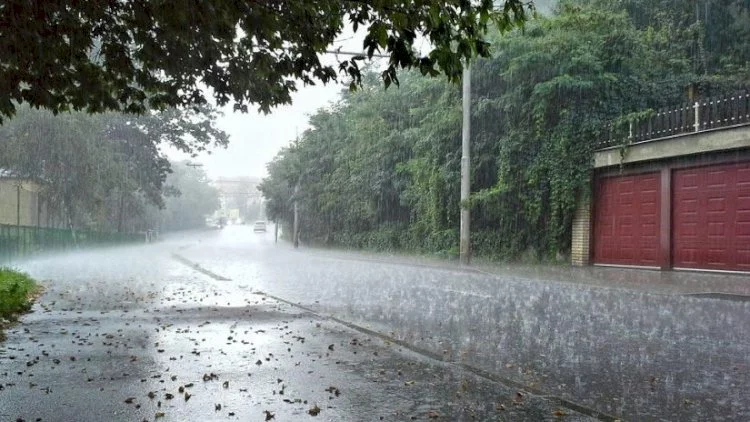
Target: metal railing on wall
column 22, row 241
column 707, row 114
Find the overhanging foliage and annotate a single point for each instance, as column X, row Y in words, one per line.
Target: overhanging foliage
column 128, row 55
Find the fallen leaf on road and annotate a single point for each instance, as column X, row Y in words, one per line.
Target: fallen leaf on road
column 314, row 411
column 559, row 413
column 129, row 400
column 269, row 415
column 433, row 414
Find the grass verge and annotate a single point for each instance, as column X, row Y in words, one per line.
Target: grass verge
column 17, row 292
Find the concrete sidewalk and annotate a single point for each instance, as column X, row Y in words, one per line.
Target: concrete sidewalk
column 720, row 285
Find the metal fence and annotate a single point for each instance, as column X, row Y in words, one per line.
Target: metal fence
column 22, row 241
column 710, row 113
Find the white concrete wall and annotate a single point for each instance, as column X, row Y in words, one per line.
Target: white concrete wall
column 724, row 139
column 9, row 202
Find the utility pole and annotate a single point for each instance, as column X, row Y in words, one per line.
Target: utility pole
column 296, row 216
column 465, row 237
column 351, row 53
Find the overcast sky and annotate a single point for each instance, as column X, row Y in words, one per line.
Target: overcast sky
column 255, row 138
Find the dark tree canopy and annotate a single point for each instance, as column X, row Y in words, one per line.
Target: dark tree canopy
column 131, row 55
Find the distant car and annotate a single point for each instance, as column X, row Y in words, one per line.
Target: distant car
column 259, row 226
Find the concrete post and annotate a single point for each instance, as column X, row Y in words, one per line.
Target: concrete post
column 697, row 124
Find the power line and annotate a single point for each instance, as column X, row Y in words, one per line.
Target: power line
column 351, row 53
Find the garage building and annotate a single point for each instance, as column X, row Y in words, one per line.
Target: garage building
column 678, row 201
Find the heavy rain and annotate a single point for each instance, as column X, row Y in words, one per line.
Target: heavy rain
column 375, row 211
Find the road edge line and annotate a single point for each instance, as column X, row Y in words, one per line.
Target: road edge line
column 198, row 268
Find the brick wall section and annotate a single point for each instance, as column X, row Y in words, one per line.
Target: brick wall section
column 580, row 245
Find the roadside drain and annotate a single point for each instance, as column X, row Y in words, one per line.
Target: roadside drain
column 720, row 296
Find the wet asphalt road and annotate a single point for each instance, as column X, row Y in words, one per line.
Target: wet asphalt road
column 134, row 334
column 633, row 353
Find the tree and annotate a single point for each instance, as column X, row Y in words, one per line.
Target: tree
column 713, row 34
column 101, row 171
column 278, row 187
column 129, row 55
column 190, row 200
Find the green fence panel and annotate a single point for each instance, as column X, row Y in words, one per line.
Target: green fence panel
column 21, row 241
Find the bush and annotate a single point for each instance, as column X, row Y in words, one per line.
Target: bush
column 16, row 291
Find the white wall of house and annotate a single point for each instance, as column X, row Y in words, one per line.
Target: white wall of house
column 29, row 213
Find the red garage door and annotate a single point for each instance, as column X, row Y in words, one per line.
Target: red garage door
column 626, row 220
column 711, row 218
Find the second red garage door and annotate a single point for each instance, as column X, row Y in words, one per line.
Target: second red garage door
column 711, row 217
column 627, row 220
